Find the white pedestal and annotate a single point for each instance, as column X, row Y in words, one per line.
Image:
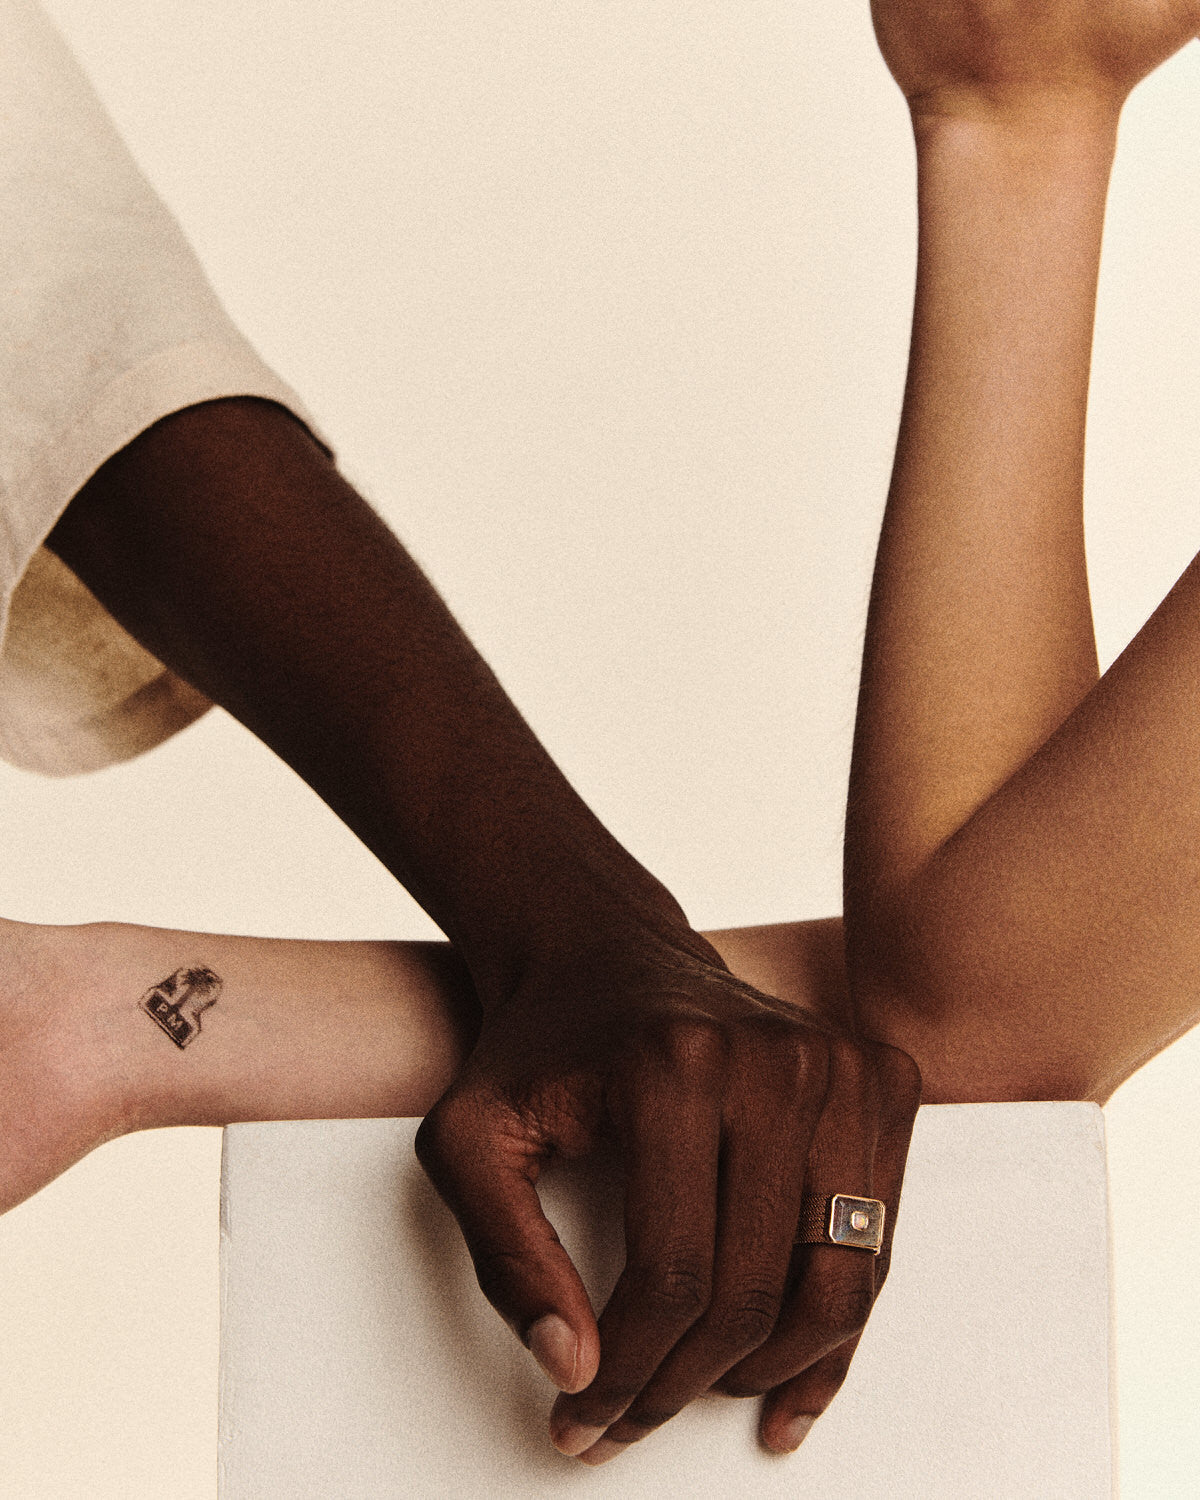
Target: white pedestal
column 359, row 1362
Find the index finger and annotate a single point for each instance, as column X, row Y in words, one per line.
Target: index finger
column 485, row 1166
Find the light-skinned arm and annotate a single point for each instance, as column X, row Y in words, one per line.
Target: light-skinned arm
column 278, row 1029
column 1021, row 840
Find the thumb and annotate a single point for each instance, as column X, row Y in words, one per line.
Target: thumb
column 484, row 1163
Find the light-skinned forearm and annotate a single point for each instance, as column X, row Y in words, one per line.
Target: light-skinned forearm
column 1020, row 836
column 315, row 1030
column 299, row 1030
column 979, row 640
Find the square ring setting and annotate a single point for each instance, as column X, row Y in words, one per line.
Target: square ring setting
column 857, row 1222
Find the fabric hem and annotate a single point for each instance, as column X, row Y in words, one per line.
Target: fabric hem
column 178, row 377
column 155, row 703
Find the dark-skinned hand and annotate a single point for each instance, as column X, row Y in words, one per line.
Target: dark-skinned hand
column 725, row 1106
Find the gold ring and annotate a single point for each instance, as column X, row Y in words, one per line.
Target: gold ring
column 841, row 1219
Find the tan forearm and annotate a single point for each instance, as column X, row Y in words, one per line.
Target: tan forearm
column 336, row 1030
column 311, row 1030
column 304, row 1030
column 979, row 640
column 1020, row 846
column 299, row 1030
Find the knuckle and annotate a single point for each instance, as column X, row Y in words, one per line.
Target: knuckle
column 845, row 1307
column 745, row 1321
column 852, row 1066
column 901, row 1077
column 442, row 1131
column 811, row 1058
column 693, row 1045
column 673, row 1294
column 430, row 1144
column 787, row 1056
column 906, row 1068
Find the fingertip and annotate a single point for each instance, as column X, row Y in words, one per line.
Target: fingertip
column 573, row 1438
column 601, row 1452
column 786, row 1436
column 570, row 1359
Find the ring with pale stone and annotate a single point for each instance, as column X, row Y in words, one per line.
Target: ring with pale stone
column 841, row 1219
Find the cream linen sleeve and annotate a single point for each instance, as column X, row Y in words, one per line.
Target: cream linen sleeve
column 107, row 324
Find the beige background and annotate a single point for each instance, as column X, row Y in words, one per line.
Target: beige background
column 605, row 307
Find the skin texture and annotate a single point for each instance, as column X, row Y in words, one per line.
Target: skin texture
column 604, row 1018
column 1022, row 866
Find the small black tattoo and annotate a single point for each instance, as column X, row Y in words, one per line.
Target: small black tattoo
column 177, row 1002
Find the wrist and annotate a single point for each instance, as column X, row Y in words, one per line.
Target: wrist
column 1007, row 195
column 620, row 941
column 64, row 1081
column 561, row 908
column 1030, row 128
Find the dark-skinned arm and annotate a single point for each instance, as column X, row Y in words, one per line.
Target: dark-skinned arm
column 225, row 540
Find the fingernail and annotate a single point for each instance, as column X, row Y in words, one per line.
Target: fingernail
column 573, row 1438
column 794, row 1433
column 600, row 1453
column 556, row 1349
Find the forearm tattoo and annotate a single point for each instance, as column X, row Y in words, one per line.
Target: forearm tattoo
column 176, row 1002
